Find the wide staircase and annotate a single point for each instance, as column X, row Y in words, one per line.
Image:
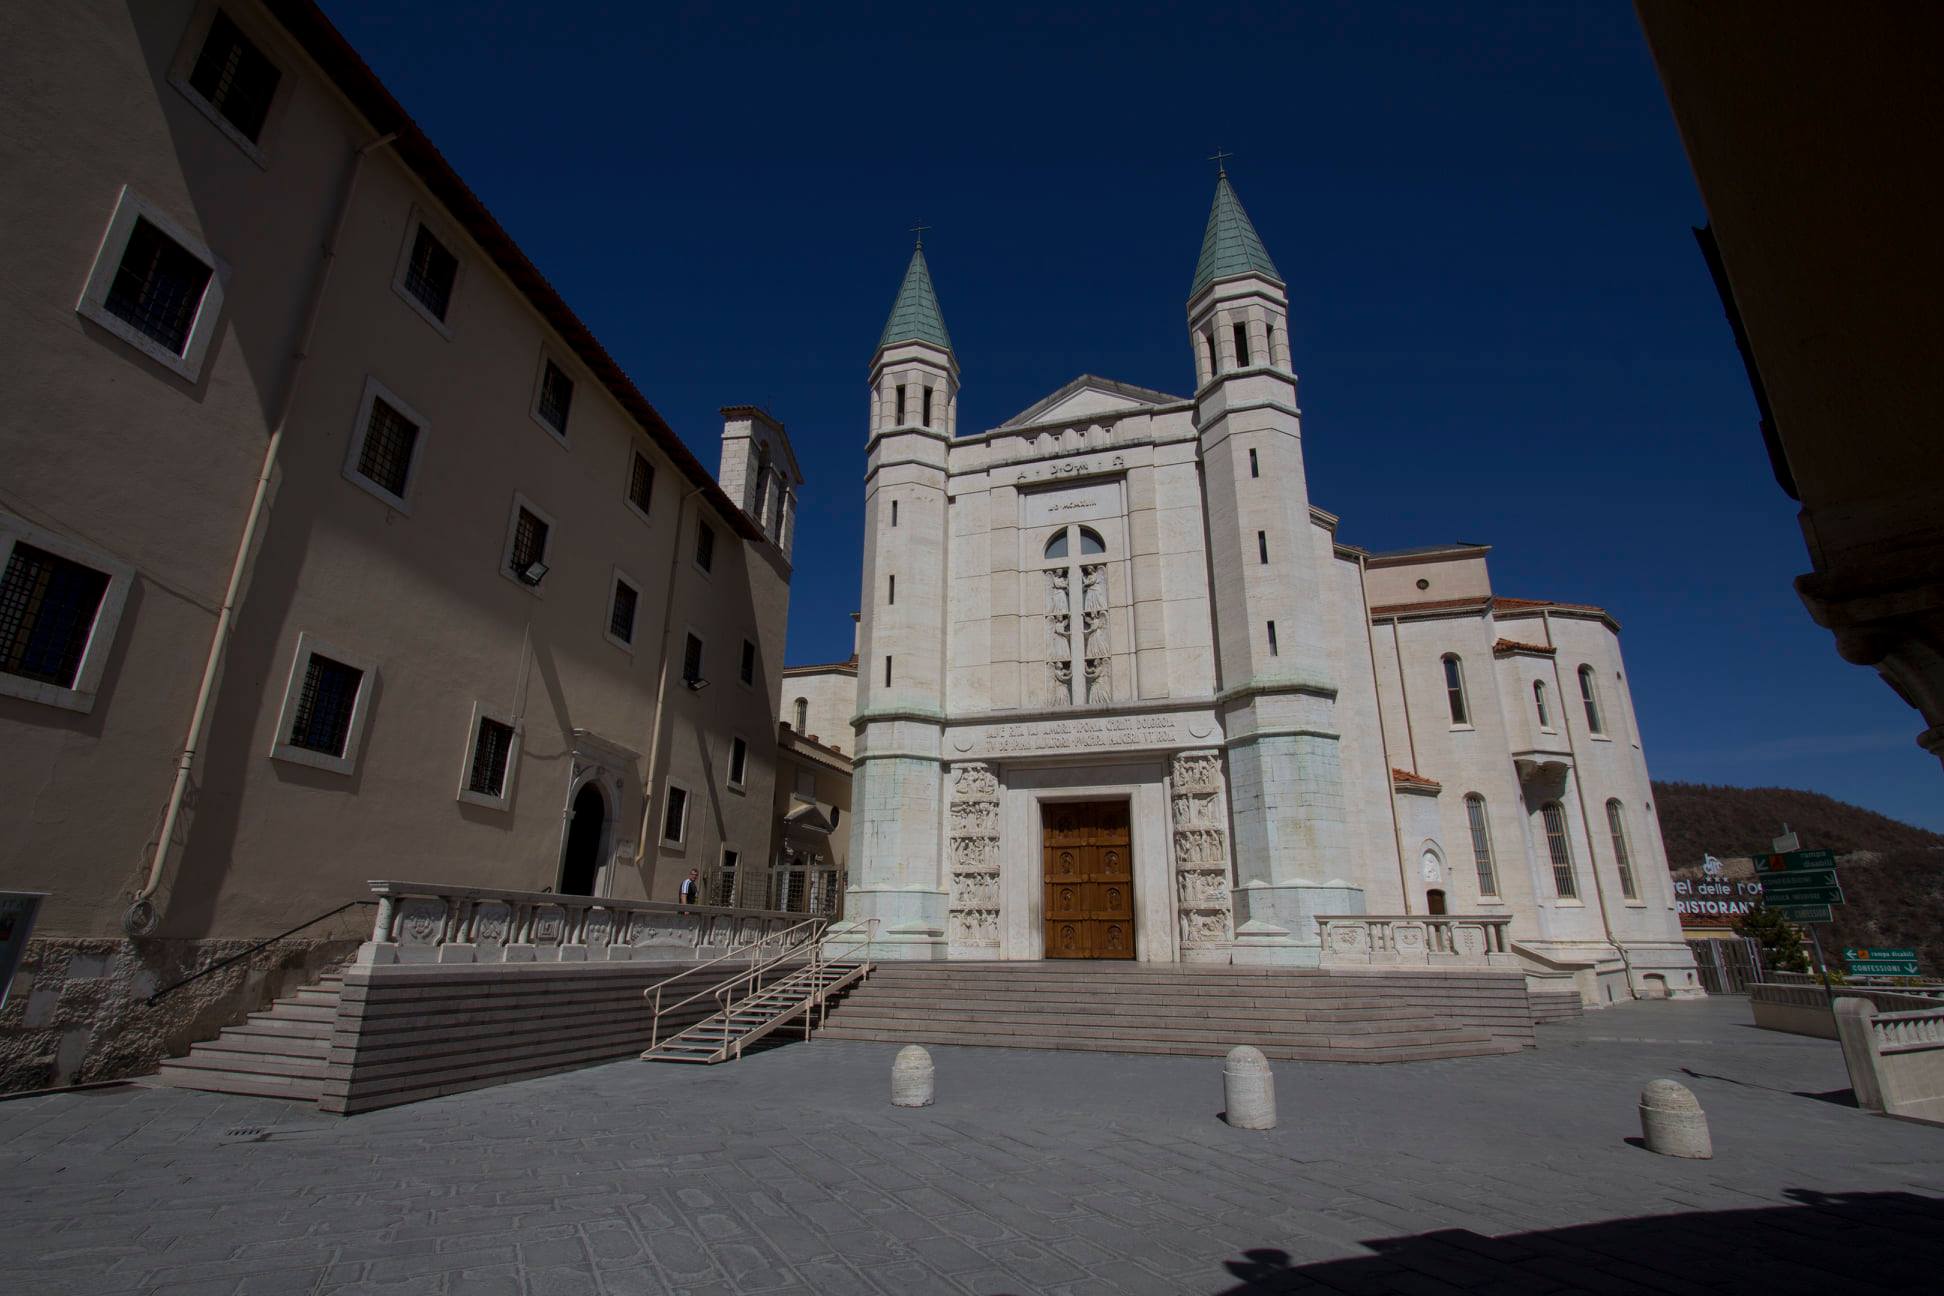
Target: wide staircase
column 1305, row 1014
column 278, row 1053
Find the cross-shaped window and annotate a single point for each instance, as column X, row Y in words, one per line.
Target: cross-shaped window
column 1078, row 662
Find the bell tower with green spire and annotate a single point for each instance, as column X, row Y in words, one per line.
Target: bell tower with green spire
column 898, row 873
column 1276, row 688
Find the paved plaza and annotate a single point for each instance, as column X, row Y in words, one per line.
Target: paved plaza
column 1034, row 1172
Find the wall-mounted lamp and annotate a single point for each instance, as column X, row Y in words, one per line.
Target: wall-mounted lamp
column 533, row 573
column 695, row 683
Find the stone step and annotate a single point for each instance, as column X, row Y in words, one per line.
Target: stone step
column 275, row 1027
column 313, row 995
column 209, row 1057
column 1198, row 988
column 1413, row 1053
column 298, row 1089
column 1191, row 974
column 236, row 1039
column 1320, row 1009
column 286, row 1011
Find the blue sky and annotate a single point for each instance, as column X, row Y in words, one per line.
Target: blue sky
column 1503, row 330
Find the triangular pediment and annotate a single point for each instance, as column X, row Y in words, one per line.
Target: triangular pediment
column 1087, row 397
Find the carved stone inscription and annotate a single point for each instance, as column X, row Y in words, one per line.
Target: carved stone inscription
column 973, row 833
column 1200, row 849
column 1065, row 735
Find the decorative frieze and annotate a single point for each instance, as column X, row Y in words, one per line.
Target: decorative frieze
column 1200, row 830
column 973, row 837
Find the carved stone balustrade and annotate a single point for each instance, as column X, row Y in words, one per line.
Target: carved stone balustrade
column 423, row 922
column 1416, row 940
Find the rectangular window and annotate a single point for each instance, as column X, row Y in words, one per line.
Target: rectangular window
column 928, row 405
column 158, row 287
column 233, row 77
column 48, row 608
column 738, row 761
column 675, row 815
column 1561, row 850
column 901, row 404
column 894, row 512
column 704, row 546
column 726, row 883
column 325, row 706
column 1255, row 468
column 691, row 660
column 556, row 397
column 1481, row 835
column 746, row 671
column 887, row 672
column 892, row 597
column 1455, row 690
column 641, row 483
column 1262, row 545
column 1242, row 346
column 1617, row 825
column 431, row 272
column 529, row 545
column 1272, row 639
column 621, row 617
column 385, row 456
column 490, row 753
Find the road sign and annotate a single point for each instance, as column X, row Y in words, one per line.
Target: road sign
column 1803, row 913
column 1876, row 953
column 1808, row 880
column 1816, row 895
column 1795, row 861
column 1883, row 967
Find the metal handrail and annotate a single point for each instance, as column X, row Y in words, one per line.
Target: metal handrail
column 219, row 965
column 816, row 1004
column 655, row 991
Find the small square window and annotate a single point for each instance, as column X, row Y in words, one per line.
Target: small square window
column 430, row 273
column 675, row 816
column 491, row 751
column 691, row 660
column 324, row 707
column 386, row 456
column 529, row 541
column 704, row 546
column 48, row 608
column 556, row 397
column 738, row 761
column 621, row 614
column 154, row 286
column 233, row 77
column 641, row 484
column 746, row 671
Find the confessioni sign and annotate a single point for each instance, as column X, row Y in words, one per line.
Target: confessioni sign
column 1715, row 901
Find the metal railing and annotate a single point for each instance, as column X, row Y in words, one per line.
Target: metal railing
column 788, row 941
column 807, row 978
column 261, row 945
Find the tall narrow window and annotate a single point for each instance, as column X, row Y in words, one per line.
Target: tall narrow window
column 1262, row 545
column 324, row 707
column 48, row 607
column 1255, row 468
column 1617, row 825
column 1242, row 346
column 887, row 672
column 901, row 404
column 1269, row 335
column 234, row 78
column 1454, row 673
column 621, row 616
column 1561, row 849
column 1481, row 835
column 802, row 715
column 385, row 456
column 490, row 752
column 1272, row 639
column 738, row 761
column 892, row 596
column 529, row 545
column 1539, row 703
column 894, row 512
column 1208, row 342
column 556, row 397
column 641, row 483
column 1590, row 695
column 430, row 273
column 691, row 660
column 675, row 815
column 746, row 670
column 704, row 546
column 928, row 406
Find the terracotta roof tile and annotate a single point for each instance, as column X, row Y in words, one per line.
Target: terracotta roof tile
column 1404, row 778
column 1513, row 645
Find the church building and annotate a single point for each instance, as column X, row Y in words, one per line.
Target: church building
column 1123, row 693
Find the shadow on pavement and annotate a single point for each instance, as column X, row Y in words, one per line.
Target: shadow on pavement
column 1829, row 1242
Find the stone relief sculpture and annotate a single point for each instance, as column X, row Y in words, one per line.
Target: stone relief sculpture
column 1200, row 850
column 1093, row 583
column 973, row 839
column 1059, row 638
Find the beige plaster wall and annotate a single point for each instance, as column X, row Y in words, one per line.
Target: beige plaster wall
column 831, row 699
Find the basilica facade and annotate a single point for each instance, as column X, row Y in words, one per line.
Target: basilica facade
column 1122, row 692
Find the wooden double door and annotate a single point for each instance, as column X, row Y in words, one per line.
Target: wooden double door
column 1089, row 874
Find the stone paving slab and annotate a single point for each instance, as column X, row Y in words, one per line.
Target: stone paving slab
column 1064, row 1173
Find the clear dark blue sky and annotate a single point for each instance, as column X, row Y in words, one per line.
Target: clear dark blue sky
column 1502, row 327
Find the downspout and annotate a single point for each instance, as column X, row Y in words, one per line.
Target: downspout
column 1383, row 738
column 1592, row 851
column 141, row 917
column 661, row 694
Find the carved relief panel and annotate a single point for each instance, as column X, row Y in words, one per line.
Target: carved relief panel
column 1200, row 824
column 972, row 836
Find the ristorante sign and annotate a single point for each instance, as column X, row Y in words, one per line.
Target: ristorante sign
column 1715, row 901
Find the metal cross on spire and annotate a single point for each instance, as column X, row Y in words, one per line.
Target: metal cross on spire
column 1219, row 157
column 919, row 229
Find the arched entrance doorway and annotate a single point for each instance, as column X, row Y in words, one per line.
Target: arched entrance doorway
column 585, row 834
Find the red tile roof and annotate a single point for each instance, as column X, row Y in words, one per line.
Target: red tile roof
column 1404, row 778
column 1513, row 645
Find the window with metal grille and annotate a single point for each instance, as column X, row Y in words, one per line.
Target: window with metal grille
column 430, row 274
column 675, row 815
column 641, row 482
column 1591, row 698
column 490, row 753
column 1561, row 850
column 235, row 78
column 1481, row 835
column 158, row 286
column 738, row 760
column 704, row 546
column 747, row 671
column 692, row 659
column 385, row 458
column 725, row 890
column 1617, row 825
column 556, row 398
column 621, row 617
column 324, row 708
column 48, row 606
column 1454, row 674
column 529, row 542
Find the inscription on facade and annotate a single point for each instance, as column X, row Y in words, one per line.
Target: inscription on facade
column 1065, row 735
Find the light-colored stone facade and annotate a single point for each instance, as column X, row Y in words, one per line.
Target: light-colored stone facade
column 1124, row 595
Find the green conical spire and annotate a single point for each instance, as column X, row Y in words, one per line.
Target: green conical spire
column 914, row 316
column 1230, row 245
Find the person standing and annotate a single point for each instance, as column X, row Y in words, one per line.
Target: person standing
column 691, row 892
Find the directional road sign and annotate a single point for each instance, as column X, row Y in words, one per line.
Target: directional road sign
column 1883, row 967
column 1816, row 895
column 1867, row 954
column 1803, row 913
column 1807, row 880
column 1795, row 861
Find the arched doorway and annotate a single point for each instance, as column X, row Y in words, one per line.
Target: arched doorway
column 582, row 862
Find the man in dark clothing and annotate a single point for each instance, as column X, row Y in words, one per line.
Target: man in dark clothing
column 691, row 892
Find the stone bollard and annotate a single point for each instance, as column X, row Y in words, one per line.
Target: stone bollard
column 1248, row 1089
column 911, row 1078
column 1672, row 1123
